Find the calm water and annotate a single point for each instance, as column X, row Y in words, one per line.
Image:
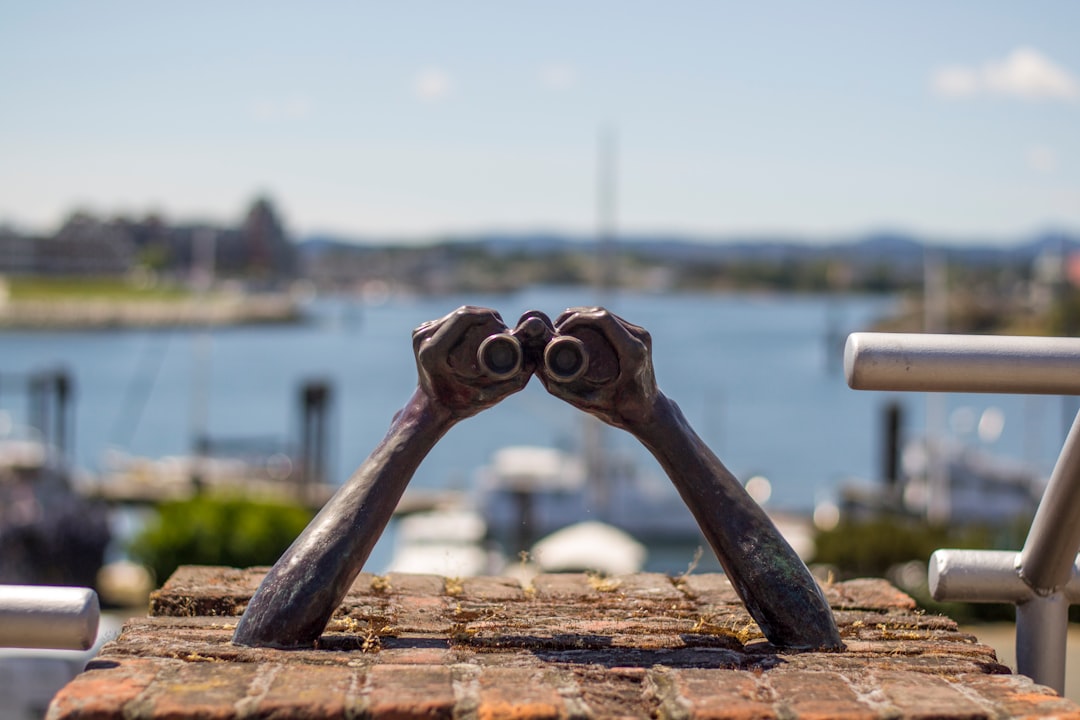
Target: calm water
column 759, row 377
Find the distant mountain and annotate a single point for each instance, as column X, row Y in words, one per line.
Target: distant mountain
column 871, row 248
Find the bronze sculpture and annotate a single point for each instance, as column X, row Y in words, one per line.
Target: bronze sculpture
column 468, row 361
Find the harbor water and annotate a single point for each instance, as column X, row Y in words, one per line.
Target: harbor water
column 760, row 377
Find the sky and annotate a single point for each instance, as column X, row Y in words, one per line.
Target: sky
column 413, row 120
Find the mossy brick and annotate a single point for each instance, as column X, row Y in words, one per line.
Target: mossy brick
column 209, row 690
column 196, row 590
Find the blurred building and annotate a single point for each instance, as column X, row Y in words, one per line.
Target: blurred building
column 257, row 250
column 84, row 246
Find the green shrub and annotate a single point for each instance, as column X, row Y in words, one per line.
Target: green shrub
column 217, row 531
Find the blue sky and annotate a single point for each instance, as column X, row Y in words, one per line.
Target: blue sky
column 410, row 120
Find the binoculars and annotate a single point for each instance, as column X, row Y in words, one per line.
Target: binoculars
column 502, row 356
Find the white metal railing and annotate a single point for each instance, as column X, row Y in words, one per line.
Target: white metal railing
column 53, row 618
column 1043, row 579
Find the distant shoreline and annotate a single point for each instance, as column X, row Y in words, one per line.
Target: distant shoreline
column 110, row 314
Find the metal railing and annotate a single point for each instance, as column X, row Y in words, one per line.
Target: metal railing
column 1043, row 579
column 47, row 617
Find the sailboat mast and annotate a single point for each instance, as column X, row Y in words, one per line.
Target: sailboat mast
column 606, row 169
column 594, row 432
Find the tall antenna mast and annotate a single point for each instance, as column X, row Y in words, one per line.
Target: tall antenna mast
column 606, row 174
column 597, row 464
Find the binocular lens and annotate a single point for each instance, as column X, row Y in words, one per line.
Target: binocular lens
column 500, row 356
column 565, row 358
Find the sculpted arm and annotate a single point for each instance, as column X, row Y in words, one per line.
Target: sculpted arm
column 297, row 597
column 618, row 386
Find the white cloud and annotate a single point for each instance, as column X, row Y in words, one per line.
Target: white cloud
column 558, row 76
column 1041, row 158
column 1028, row 73
column 433, row 84
column 1024, row 73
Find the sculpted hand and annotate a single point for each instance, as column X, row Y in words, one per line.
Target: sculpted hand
column 449, row 366
column 616, row 382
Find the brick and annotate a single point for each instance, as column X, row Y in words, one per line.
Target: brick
column 710, row 587
column 813, row 695
column 196, row 579
column 421, row 614
column 106, row 688
column 312, row 692
column 492, row 589
column 651, row 586
column 918, row 696
column 867, row 594
column 196, row 590
column 721, row 695
column 611, row 692
column 416, row 651
column 564, row 586
column 401, row 692
column 412, row 584
column 1018, row 696
column 207, row 690
column 517, row 694
column 367, row 584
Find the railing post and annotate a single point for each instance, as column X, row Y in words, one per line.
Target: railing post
column 1042, row 630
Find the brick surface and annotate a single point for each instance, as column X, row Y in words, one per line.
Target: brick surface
column 491, row 589
column 106, row 688
column 425, row 585
column 192, row 690
column 569, row 586
column 574, row 646
column 924, row 696
column 1018, row 697
column 818, row 695
column 720, row 695
column 289, row 691
column 867, row 594
column 510, row 692
column 398, row 692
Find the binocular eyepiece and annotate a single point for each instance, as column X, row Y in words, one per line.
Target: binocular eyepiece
column 501, row 357
column 565, row 358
